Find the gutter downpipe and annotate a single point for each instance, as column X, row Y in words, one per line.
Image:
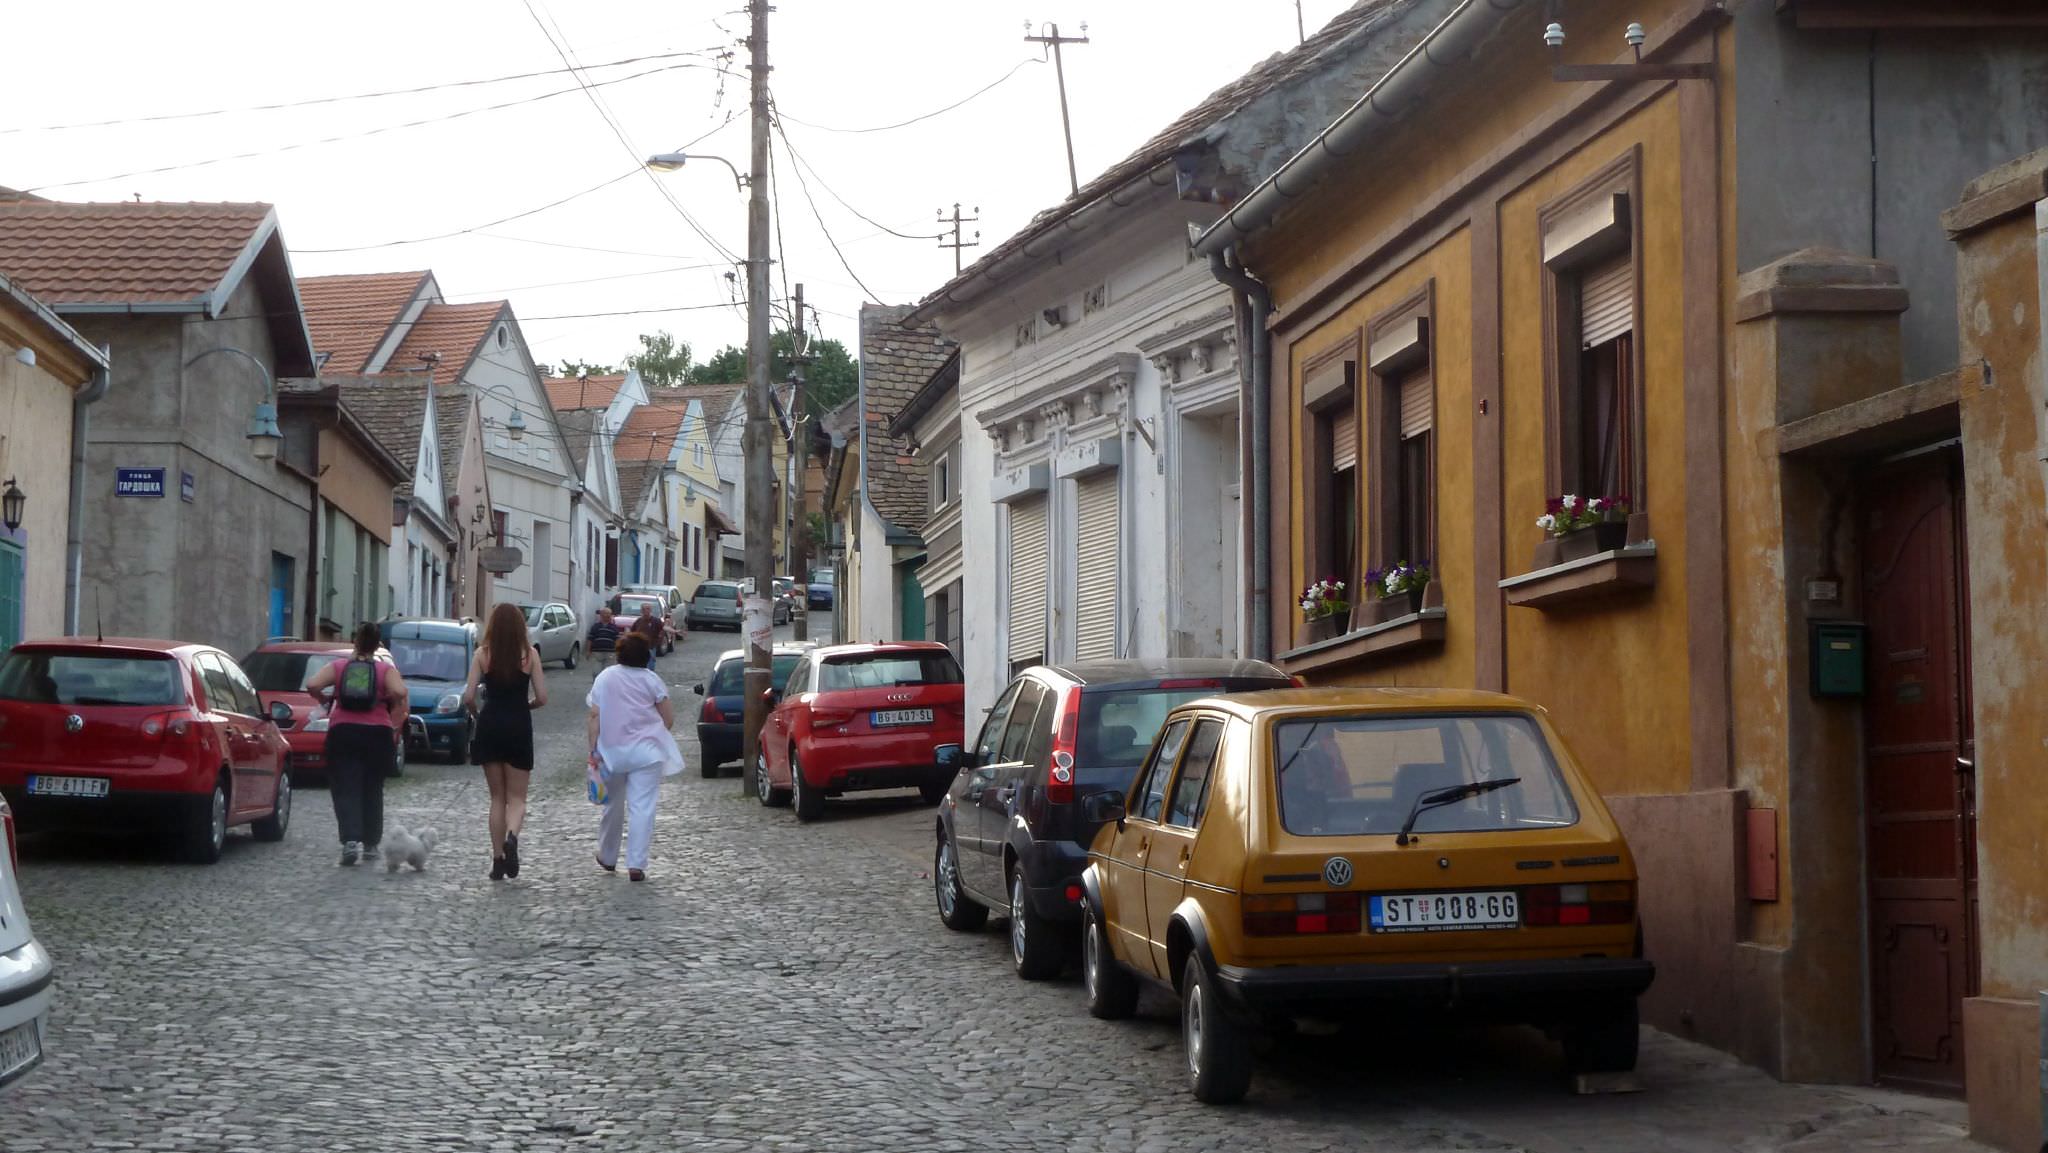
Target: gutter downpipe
column 1253, row 304
column 74, row 531
column 1448, row 46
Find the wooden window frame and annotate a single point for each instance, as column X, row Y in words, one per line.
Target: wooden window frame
column 1319, row 398
column 1400, row 343
column 1598, row 219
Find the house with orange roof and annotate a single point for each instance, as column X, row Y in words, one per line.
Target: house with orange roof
column 592, row 409
column 372, row 324
column 192, row 527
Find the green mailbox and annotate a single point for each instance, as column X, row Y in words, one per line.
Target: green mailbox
column 1836, row 658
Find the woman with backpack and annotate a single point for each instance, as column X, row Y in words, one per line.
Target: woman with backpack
column 368, row 702
column 505, row 686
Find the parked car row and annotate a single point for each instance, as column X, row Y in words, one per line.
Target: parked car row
column 1269, row 855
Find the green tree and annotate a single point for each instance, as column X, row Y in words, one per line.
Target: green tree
column 571, row 369
column 831, row 378
column 662, row 362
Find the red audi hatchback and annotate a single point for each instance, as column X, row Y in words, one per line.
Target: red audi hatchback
column 854, row 717
column 169, row 734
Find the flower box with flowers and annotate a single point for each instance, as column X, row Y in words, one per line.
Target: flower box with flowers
column 1397, row 591
column 1324, row 611
column 1576, row 527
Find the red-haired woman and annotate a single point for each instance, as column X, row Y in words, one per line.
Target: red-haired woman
column 506, row 675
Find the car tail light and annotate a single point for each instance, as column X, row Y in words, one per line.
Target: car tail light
column 830, row 718
column 1596, row 903
column 1191, row 683
column 1301, row 914
column 1298, row 682
column 711, row 714
column 1059, row 775
column 171, row 726
column 7, row 826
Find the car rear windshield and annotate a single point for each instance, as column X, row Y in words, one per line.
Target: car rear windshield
column 1347, row 776
column 424, row 660
column 719, row 592
column 888, row 670
column 1117, row 727
column 60, row 678
column 282, row 672
column 729, row 678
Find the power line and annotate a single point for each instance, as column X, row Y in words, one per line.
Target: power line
column 321, row 100
column 1019, row 67
column 378, row 131
column 495, row 292
column 577, row 247
column 798, row 157
column 477, row 227
column 820, row 217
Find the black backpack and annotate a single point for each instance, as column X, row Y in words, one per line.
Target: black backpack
column 358, row 686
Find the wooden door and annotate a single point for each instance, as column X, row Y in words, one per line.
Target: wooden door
column 1919, row 790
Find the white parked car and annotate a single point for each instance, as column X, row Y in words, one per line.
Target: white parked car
column 24, row 971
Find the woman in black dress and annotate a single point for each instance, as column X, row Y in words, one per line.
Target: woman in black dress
column 506, row 680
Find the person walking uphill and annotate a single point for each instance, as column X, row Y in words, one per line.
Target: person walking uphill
column 631, row 740
column 368, row 701
column 506, row 676
column 650, row 628
column 603, row 637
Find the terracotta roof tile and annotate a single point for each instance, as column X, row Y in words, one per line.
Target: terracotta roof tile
column 453, row 331
column 349, row 316
column 568, row 394
column 635, row 479
column 128, row 253
column 895, row 363
column 393, row 408
column 648, row 434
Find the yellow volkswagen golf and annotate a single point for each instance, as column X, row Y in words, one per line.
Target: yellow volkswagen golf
column 1363, row 855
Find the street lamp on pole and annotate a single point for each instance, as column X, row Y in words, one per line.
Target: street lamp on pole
column 264, row 435
column 674, row 162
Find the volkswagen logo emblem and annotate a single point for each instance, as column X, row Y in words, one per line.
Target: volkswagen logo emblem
column 1337, row 871
column 73, row 723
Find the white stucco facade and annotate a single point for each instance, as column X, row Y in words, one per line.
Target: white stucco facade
column 532, row 477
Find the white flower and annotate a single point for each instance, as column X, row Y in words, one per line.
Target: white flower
column 1547, row 523
column 1308, row 606
column 1570, row 502
column 1338, row 586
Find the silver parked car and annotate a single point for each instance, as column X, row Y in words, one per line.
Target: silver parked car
column 715, row 605
column 24, row 971
column 554, row 632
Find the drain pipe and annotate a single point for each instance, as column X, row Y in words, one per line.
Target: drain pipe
column 1253, row 304
column 74, row 533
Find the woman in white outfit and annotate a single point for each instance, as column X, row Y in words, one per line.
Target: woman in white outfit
column 629, row 723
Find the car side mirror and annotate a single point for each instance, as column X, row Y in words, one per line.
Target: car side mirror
column 280, row 714
column 949, row 757
column 699, row 690
column 1102, row 808
column 771, row 696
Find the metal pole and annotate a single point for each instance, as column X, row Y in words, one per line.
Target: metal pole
column 760, row 452
column 1053, row 38
column 800, row 452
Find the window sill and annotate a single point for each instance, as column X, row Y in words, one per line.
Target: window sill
column 1400, row 635
column 1576, row 582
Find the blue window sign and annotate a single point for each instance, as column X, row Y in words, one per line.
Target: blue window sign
column 187, row 487
column 139, row 482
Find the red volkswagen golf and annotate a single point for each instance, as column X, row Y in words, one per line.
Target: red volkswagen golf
column 172, row 734
column 855, row 717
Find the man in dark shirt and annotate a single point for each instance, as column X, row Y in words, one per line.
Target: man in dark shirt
column 603, row 636
column 651, row 627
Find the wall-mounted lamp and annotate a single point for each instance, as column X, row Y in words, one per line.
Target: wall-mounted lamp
column 401, row 510
column 264, row 435
column 13, row 503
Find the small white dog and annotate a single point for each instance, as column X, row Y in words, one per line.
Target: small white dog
column 404, row 848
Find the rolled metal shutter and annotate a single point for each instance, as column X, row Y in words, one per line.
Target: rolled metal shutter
column 1607, row 302
column 1029, row 573
column 1344, row 440
column 1095, row 566
column 1418, row 405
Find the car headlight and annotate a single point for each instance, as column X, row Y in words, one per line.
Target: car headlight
column 450, row 703
column 316, row 725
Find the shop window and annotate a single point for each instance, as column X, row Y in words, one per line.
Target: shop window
column 1329, row 465
column 1593, row 351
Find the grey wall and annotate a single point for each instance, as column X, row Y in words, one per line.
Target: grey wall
column 1936, row 108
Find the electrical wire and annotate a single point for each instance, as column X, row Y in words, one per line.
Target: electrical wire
column 321, row 100
column 493, row 293
column 298, row 145
column 820, row 217
column 473, row 228
column 798, row 157
column 1019, row 67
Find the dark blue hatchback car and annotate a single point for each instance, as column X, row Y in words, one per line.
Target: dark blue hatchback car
column 433, row 656
column 718, row 723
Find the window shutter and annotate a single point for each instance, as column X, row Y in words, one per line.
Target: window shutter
column 1418, row 405
column 1095, row 567
column 1344, row 440
column 1607, row 301
column 1028, row 577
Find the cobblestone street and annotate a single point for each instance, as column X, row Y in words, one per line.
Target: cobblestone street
column 773, row 986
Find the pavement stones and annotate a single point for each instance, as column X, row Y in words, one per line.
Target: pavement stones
column 772, row 987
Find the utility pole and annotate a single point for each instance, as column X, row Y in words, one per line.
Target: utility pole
column 800, row 452
column 1052, row 36
column 1300, row 29
column 956, row 244
column 760, row 442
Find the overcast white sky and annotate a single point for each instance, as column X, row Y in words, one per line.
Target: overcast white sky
column 839, row 64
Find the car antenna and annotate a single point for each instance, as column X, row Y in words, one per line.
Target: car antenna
column 99, row 619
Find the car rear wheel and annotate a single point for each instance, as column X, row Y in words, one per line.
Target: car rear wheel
column 809, row 802
column 1219, row 1049
column 1112, row 991
column 957, row 910
column 1604, row 1039
column 206, row 826
column 771, row 796
column 569, row 662
column 458, row 749
column 272, row 828
column 932, row 792
column 1034, row 941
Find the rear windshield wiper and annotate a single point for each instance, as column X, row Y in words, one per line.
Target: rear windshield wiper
column 1438, row 798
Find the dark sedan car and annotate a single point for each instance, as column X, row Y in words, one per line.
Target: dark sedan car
column 1011, row 835
column 718, row 723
